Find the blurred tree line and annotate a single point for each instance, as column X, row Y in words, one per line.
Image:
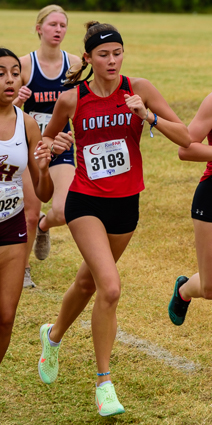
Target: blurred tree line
column 179, row 6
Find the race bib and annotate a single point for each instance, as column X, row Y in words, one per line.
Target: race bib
column 106, row 159
column 11, row 197
column 42, row 119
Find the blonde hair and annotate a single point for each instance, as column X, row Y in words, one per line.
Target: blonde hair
column 92, row 27
column 42, row 15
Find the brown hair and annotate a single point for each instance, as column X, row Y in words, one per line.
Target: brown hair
column 92, row 27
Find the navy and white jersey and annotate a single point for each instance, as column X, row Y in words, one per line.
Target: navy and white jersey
column 13, row 161
column 45, row 91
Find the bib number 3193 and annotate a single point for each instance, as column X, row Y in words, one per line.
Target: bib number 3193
column 106, row 159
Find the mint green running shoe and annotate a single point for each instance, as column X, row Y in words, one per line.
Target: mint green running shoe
column 107, row 401
column 48, row 364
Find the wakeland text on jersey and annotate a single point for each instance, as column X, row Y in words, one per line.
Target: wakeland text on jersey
column 46, row 96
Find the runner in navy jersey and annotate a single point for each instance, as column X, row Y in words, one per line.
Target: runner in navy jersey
column 102, row 205
column 19, row 144
column 43, row 76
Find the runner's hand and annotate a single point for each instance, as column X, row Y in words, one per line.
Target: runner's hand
column 136, row 105
column 24, row 93
column 42, row 155
column 62, row 142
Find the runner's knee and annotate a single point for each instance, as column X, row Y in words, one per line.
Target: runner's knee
column 32, row 218
column 59, row 216
column 110, row 294
column 85, row 286
column 6, row 321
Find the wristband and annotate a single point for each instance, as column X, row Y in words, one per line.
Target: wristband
column 153, row 125
column 103, row 374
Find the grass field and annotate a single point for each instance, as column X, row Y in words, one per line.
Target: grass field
column 162, row 373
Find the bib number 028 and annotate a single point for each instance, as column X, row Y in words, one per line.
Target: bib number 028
column 106, row 159
column 11, row 199
column 9, row 204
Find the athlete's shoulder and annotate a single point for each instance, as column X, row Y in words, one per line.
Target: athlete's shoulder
column 30, row 122
column 143, row 88
column 32, row 130
column 139, row 82
column 207, row 101
column 25, row 60
column 203, row 118
column 26, row 66
column 68, row 95
column 74, row 60
column 67, row 102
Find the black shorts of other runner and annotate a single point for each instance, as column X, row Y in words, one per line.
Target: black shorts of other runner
column 67, row 157
column 202, row 202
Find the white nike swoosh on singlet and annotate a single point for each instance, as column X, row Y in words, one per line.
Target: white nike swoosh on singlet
column 104, row 36
column 21, row 235
column 67, row 160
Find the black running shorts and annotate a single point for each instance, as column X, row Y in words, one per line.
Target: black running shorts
column 119, row 215
column 202, row 202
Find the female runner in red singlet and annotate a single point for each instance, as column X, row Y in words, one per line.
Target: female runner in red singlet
column 102, row 205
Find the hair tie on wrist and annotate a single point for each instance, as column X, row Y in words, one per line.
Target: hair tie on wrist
column 51, row 150
column 147, row 114
column 153, row 125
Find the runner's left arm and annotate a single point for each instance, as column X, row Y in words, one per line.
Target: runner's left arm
column 39, row 158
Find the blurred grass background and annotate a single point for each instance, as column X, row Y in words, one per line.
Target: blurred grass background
column 174, row 53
